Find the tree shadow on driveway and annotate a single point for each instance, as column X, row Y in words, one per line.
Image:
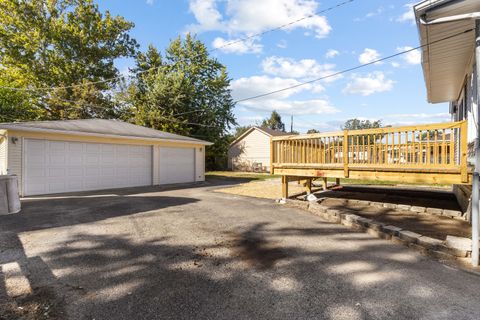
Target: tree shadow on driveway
column 256, row 261
column 52, row 212
column 156, row 279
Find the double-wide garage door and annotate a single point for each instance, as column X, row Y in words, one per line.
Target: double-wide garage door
column 63, row 166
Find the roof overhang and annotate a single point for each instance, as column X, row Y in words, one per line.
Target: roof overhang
column 246, row 133
column 446, row 63
column 102, row 135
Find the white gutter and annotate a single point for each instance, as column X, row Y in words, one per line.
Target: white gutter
column 467, row 16
column 103, row 135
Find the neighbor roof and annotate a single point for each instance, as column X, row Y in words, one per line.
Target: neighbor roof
column 445, row 63
column 267, row 131
column 99, row 127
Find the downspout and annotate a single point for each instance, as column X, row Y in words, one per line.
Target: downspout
column 476, row 173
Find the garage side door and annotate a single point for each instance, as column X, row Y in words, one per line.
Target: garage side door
column 63, row 166
column 177, row 165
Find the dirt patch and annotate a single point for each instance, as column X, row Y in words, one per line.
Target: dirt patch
column 268, row 189
column 42, row 304
column 437, row 227
column 422, row 197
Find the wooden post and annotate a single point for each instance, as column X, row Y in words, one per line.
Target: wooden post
column 308, row 186
column 337, row 181
column 271, row 155
column 324, row 184
column 463, row 151
column 345, row 153
column 285, row 187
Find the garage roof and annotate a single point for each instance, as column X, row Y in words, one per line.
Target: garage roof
column 99, row 127
column 445, row 63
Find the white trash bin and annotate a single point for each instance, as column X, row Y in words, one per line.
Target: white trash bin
column 9, row 197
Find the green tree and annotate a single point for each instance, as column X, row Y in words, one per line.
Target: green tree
column 239, row 130
column 356, row 124
column 15, row 105
column 310, row 131
column 58, row 43
column 274, row 122
column 184, row 91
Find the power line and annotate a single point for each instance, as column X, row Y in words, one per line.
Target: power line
column 230, row 43
column 283, row 25
column 351, row 69
column 321, row 78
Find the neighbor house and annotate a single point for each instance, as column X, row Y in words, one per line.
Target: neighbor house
column 251, row 150
column 448, row 61
column 83, row 155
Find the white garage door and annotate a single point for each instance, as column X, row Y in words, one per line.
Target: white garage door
column 62, row 166
column 177, row 165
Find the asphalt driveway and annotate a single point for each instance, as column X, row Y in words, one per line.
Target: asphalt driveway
column 153, row 253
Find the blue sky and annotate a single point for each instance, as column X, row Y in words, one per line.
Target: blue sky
column 355, row 33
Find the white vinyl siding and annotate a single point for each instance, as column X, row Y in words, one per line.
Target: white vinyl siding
column 200, row 164
column 176, row 165
column 65, row 166
column 253, row 148
column 14, row 156
column 3, row 155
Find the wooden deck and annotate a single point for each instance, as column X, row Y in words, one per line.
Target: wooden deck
column 430, row 154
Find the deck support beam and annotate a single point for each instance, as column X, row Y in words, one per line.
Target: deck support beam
column 308, row 186
column 337, row 181
column 324, row 184
column 285, row 187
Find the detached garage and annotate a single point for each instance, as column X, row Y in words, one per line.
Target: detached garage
column 93, row 154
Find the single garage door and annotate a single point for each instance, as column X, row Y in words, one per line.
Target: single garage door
column 177, row 165
column 63, row 166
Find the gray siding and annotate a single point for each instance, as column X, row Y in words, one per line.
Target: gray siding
column 465, row 108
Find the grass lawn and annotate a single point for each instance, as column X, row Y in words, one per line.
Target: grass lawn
column 254, row 176
column 240, row 175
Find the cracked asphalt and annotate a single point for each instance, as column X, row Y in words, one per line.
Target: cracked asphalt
column 192, row 253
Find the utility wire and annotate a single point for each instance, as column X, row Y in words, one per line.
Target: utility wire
column 330, row 75
column 351, row 69
column 230, row 43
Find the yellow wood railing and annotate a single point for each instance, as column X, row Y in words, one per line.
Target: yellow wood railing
column 428, row 148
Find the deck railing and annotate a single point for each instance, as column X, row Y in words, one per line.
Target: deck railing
column 428, row 148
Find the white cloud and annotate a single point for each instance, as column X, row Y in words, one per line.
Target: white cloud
column 331, row 53
column 297, row 107
column 408, row 15
column 236, row 46
column 395, row 64
column 368, row 55
column 369, row 84
column 282, row 44
column 253, row 16
column 427, row 116
column 299, row 69
column 206, row 14
column 150, row 2
column 256, row 85
column 371, row 14
column 412, row 57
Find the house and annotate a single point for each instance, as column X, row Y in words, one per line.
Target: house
column 251, row 150
column 447, row 34
column 83, row 155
